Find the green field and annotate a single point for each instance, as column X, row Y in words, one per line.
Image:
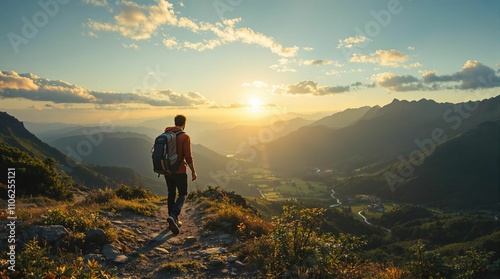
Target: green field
column 283, row 188
column 275, row 188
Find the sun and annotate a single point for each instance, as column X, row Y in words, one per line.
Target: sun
column 255, row 104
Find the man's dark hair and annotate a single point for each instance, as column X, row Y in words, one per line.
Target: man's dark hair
column 180, row 120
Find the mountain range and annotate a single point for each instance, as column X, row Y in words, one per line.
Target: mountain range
column 410, row 151
column 443, row 139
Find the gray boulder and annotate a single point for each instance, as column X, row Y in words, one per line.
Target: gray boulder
column 51, row 234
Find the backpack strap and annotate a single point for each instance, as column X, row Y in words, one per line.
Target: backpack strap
column 179, row 132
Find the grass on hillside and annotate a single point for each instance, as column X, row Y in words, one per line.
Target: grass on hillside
column 40, row 260
column 125, row 198
column 229, row 208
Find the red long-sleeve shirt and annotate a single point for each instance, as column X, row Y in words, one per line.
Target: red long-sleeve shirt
column 183, row 148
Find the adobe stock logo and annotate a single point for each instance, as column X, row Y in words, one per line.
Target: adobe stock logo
column 223, row 6
column 38, row 20
column 406, row 167
column 373, row 28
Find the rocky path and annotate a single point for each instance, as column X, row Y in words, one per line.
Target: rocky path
column 147, row 249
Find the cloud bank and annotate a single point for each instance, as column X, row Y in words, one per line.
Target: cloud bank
column 32, row 87
column 140, row 22
column 308, row 87
column 473, row 75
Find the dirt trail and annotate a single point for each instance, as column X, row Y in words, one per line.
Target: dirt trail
column 148, row 244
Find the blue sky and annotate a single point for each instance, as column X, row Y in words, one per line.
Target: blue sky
column 66, row 58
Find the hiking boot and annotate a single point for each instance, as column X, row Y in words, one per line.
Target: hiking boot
column 172, row 224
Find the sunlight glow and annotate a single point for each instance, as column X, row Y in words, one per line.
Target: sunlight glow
column 255, row 104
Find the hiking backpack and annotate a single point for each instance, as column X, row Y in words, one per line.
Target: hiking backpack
column 164, row 153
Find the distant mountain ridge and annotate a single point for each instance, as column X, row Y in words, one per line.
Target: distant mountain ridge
column 389, row 132
column 132, row 150
column 231, row 140
column 13, row 133
column 343, row 118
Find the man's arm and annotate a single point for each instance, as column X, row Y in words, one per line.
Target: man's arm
column 189, row 157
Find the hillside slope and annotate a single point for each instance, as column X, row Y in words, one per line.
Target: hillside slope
column 463, row 172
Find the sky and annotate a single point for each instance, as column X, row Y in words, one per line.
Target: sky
column 80, row 61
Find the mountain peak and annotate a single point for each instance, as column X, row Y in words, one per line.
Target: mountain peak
column 7, row 120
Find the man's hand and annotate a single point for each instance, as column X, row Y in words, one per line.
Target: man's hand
column 193, row 175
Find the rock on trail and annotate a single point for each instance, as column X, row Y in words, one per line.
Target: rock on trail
column 145, row 244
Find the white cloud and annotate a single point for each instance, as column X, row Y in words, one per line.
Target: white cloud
column 255, row 84
column 320, row 62
column 352, row 41
column 391, row 58
column 98, row 3
column 170, row 42
column 202, row 46
column 308, row 87
column 282, row 66
column 340, row 72
column 189, row 24
column 132, row 46
column 140, row 22
column 10, row 80
column 413, row 65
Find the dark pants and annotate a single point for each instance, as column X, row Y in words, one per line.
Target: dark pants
column 176, row 182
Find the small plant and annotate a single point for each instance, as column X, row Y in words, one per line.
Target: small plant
column 133, row 192
column 136, row 206
column 36, row 261
column 99, row 196
column 241, row 221
column 74, row 219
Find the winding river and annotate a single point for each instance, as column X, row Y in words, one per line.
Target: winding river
column 335, row 198
column 360, row 213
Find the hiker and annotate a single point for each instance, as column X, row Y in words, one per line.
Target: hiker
column 178, row 181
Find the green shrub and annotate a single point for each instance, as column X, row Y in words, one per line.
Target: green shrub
column 133, row 192
column 99, row 196
column 427, row 264
column 124, row 198
column 37, row 261
column 473, row 264
column 135, row 206
column 38, row 177
column 242, row 221
column 296, row 248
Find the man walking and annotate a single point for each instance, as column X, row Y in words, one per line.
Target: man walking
column 178, row 181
